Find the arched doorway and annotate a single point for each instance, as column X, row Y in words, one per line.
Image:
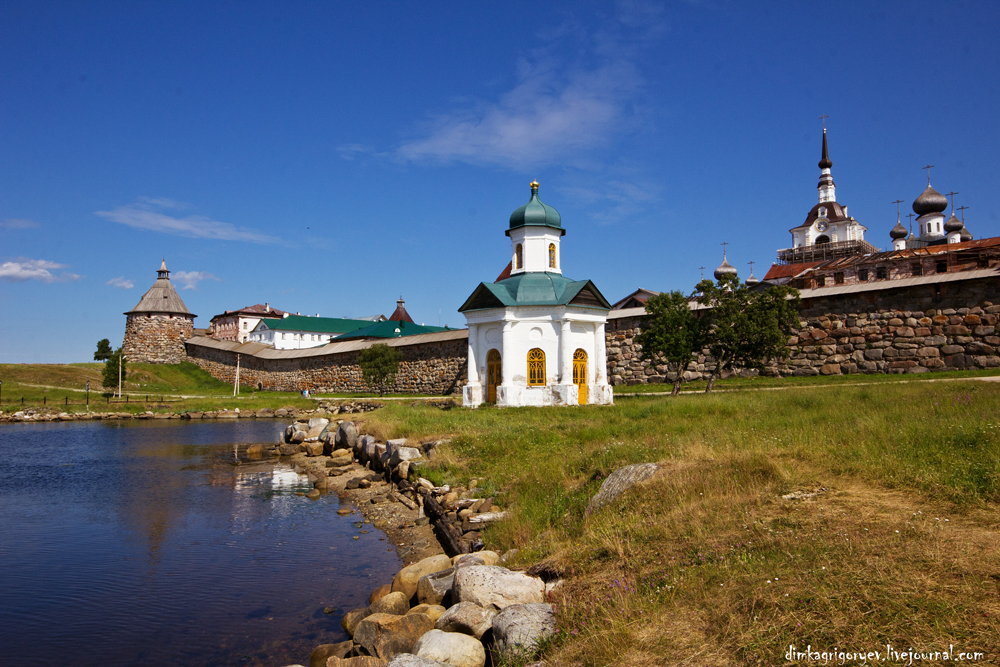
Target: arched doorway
column 493, row 376
column 580, row 374
column 822, row 239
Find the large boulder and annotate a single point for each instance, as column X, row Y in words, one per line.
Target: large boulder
column 321, row 653
column 435, row 587
column 410, row 660
column 347, row 436
column 520, row 627
column 432, row 611
column 400, row 454
column 391, row 445
column 352, row 618
column 619, row 482
column 356, row 661
column 452, row 648
column 394, row 603
column 385, row 635
column 497, row 587
column 297, row 437
column 313, row 448
column 467, row 618
column 379, row 593
column 364, row 448
column 407, row 578
column 317, row 421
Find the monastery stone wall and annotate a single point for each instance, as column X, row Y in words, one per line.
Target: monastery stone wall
column 426, row 368
column 156, row 339
column 906, row 330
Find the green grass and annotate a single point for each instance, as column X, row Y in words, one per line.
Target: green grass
column 761, row 382
column 680, row 568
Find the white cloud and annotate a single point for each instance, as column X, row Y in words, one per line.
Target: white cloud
column 35, row 269
column 549, row 116
column 576, row 93
column 143, row 215
column 121, row 282
column 190, row 279
column 17, row 223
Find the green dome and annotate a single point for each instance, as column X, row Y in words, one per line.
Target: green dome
column 536, row 214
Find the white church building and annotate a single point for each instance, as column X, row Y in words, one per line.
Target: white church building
column 536, row 337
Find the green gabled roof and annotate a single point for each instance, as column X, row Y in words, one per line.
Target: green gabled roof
column 391, row 329
column 331, row 325
column 536, row 289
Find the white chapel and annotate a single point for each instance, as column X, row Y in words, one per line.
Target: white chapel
column 536, row 337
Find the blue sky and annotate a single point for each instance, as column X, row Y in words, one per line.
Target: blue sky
column 328, row 157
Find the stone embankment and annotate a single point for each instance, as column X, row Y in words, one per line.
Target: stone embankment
column 449, row 608
column 51, row 415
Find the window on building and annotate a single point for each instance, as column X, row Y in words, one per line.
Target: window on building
column 820, row 281
column 536, row 368
column 244, row 326
column 552, row 255
column 838, row 278
column 862, row 274
column 942, row 267
column 917, row 269
column 518, row 257
column 880, row 273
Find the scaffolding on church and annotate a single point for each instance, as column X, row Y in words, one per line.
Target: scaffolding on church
column 824, row 251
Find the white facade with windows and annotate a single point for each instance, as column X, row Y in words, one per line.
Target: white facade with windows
column 536, row 338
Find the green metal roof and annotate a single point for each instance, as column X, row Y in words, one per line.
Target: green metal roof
column 536, row 288
column 331, row 325
column 536, row 214
column 391, row 329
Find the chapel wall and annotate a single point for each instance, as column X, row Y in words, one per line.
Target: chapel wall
column 156, row 338
column 944, row 326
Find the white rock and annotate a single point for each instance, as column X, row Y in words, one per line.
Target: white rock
column 467, row 618
column 497, row 587
column 520, row 627
column 410, row 660
column 453, row 648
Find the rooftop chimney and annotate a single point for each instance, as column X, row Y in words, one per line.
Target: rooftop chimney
column 267, row 308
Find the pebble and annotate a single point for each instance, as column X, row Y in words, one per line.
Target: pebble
column 344, row 511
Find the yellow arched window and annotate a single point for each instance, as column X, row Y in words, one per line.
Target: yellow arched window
column 536, row 368
column 552, row 255
column 518, row 257
column 493, row 375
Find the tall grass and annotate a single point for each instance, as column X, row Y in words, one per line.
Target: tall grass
column 707, row 564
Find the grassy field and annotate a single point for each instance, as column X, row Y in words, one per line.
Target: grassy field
column 156, row 387
column 707, row 564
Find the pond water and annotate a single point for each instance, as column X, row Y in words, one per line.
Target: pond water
column 154, row 543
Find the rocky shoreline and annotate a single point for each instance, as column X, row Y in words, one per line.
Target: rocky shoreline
column 453, row 603
column 53, row 414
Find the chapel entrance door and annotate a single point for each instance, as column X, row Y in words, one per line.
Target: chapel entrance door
column 580, row 374
column 493, row 367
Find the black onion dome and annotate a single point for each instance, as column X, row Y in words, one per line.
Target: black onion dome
column 953, row 224
column 930, row 201
column 725, row 269
column 825, row 162
column 898, row 232
column 966, row 235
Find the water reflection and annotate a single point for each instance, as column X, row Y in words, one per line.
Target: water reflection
column 150, row 543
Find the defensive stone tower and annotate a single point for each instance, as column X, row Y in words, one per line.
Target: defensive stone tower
column 155, row 330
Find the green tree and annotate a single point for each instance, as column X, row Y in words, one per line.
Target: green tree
column 109, row 376
column 746, row 328
column 379, row 365
column 672, row 332
column 103, row 350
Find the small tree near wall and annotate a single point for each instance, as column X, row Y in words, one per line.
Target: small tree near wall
column 672, row 333
column 379, row 365
column 746, row 328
